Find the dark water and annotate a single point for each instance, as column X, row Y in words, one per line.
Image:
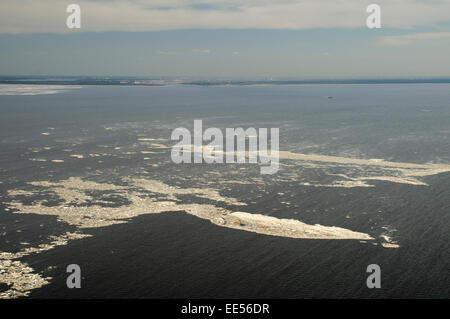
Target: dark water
column 178, row 255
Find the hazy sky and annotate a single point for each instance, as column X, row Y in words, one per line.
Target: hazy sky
column 225, row 39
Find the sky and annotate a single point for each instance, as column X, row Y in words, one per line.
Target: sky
column 278, row 39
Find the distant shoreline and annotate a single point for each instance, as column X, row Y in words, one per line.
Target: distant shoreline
column 138, row 81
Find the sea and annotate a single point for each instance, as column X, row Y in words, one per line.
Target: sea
column 334, row 139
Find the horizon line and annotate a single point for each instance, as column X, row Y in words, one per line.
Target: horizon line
column 202, row 80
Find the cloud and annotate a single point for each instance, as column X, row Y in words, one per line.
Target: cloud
column 38, row 16
column 204, row 51
column 406, row 39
